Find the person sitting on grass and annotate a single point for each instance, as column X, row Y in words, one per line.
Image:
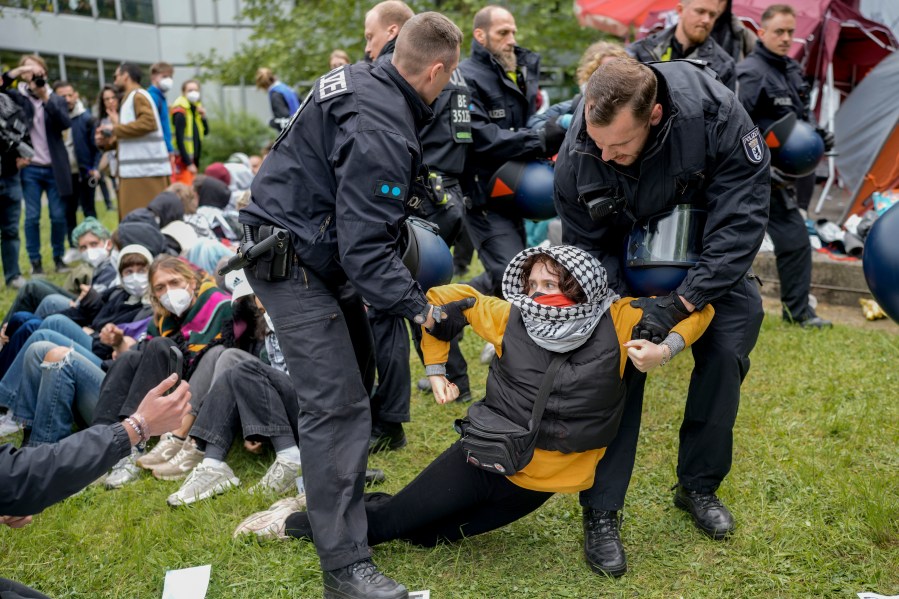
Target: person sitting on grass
column 557, row 301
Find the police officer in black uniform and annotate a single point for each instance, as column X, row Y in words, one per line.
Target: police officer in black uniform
column 689, row 38
column 339, row 179
column 655, row 136
column 503, row 81
column 771, row 87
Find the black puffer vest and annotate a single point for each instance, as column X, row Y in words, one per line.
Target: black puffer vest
column 587, row 398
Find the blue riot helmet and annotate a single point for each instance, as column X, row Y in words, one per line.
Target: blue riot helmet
column 796, row 148
column 881, row 262
column 662, row 248
column 425, row 253
column 524, row 189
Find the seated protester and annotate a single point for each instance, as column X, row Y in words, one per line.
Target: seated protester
column 161, row 210
column 214, row 199
column 44, row 298
column 557, row 302
column 190, row 313
column 596, row 55
column 190, row 201
column 257, row 397
column 180, row 237
column 92, row 344
column 138, row 233
column 207, row 253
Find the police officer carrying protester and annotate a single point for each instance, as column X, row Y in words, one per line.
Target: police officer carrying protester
column 503, row 81
column 647, row 138
column 339, row 179
column 771, row 87
column 689, row 38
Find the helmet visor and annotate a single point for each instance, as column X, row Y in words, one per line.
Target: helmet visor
column 671, row 238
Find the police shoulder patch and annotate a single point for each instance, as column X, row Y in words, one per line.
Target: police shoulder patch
column 393, row 191
column 752, row 145
column 336, row 83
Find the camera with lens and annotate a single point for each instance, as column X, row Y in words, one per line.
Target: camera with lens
column 603, row 202
column 39, row 81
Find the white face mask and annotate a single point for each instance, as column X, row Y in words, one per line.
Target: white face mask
column 165, row 84
column 268, row 322
column 176, row 301
column 96, row 256
column 193, row 97
column 136, row 284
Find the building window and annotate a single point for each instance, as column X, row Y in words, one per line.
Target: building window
column 139, row 11
column 82, row 73
column 75, row 7
column 106, row 9
column 35, row 5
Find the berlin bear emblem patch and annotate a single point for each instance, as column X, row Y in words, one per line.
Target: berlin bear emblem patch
column 752, row 145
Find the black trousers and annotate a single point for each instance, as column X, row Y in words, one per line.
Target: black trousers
column 721, row 358
column 391, row 400
column 321, row 333
column 10, row 589
column 463, row 250
column 448, row 500
column 792, row 253
column 497, row 238
column 83, row 196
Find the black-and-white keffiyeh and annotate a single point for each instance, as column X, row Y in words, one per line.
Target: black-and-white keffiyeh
column 567, row 328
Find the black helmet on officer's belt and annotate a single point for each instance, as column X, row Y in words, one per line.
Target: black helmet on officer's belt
column 523, row 189
column 796, row 148
column 662, row 248
column 425, row 253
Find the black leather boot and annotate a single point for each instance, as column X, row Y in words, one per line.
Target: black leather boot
column 709, row 514
column 602, row 542
column 386, row 436
column 361, row 580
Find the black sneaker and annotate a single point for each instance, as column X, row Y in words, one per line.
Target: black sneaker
column 386, row 436
column 815, row 322
column 602, row 542
column 709, row 514
column 36, row 267
column 464, row 397
column 361, row 580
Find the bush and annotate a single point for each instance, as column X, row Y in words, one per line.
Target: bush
column 234, row 131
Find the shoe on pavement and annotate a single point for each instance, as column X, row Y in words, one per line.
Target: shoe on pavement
column 270, row 524
column 125, row 471
column 17, row 282
column 162, row 452
column 280, row 478
column 488, row 353
column 386, row 436
column 709, row 514
column 187, row 458
column 815, row 322
column 8, row 426
column 361, row 580
column 602, row 542
column 203, row 483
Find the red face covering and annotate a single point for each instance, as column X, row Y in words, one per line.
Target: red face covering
column 556, row 300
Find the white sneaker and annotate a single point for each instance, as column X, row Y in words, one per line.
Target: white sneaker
column 181, row 463
column 487, row 353
column 8, row 426
column 162, row 452
column 280, row 478
column 203, row 483
column 125, row 471
column 270, row 524
column 71, row 255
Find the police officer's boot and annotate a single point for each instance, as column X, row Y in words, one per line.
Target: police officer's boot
column 386, row 436
column 709, row 514
column 361, row 580
column 602, row 542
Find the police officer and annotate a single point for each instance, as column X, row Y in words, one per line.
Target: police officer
column 339, row 179
column 647, row 138
column 503, row 81
column 689, row 38
column 772, row 86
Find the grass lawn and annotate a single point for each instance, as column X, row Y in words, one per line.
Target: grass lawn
column 813, row 488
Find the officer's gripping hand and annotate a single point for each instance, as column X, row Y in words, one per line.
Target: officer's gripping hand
column 660, row 314
column 827, row 137
column 450, row 320
column 553, row 134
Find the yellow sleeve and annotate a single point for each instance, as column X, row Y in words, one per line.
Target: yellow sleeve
column 488, row 318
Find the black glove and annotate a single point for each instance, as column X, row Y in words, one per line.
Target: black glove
column 660, row 314
column 449, row 320
column 553, row 134
column 827, row 137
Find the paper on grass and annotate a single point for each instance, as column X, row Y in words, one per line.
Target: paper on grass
column 189, row 583
column 419, row 594
column 876, row 596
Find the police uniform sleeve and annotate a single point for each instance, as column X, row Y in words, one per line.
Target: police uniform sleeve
column 750, row 87
column 373, row 172
column 498, row 143
column 737, row 202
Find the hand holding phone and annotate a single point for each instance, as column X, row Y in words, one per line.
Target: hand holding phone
column 176, row 364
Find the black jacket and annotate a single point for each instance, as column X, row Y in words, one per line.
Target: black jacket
column 653, row 47
column 34, row 478
column 86, row 153
column 499, row 113
column 587, row 397
column 772, row 86
column 56, row 120
column 341, row 178
column 705, row 152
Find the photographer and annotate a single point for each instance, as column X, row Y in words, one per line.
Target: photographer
column 14, row 155
column 48, row 172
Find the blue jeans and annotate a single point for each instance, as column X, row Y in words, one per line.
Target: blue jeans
column 35, row 181
column 51, row 393
column 53, row 304
column 19, row 328
column 10, row 211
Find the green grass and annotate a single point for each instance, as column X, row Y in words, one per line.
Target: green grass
column 813, row 489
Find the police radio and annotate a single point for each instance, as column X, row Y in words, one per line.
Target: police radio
column 603, row 202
